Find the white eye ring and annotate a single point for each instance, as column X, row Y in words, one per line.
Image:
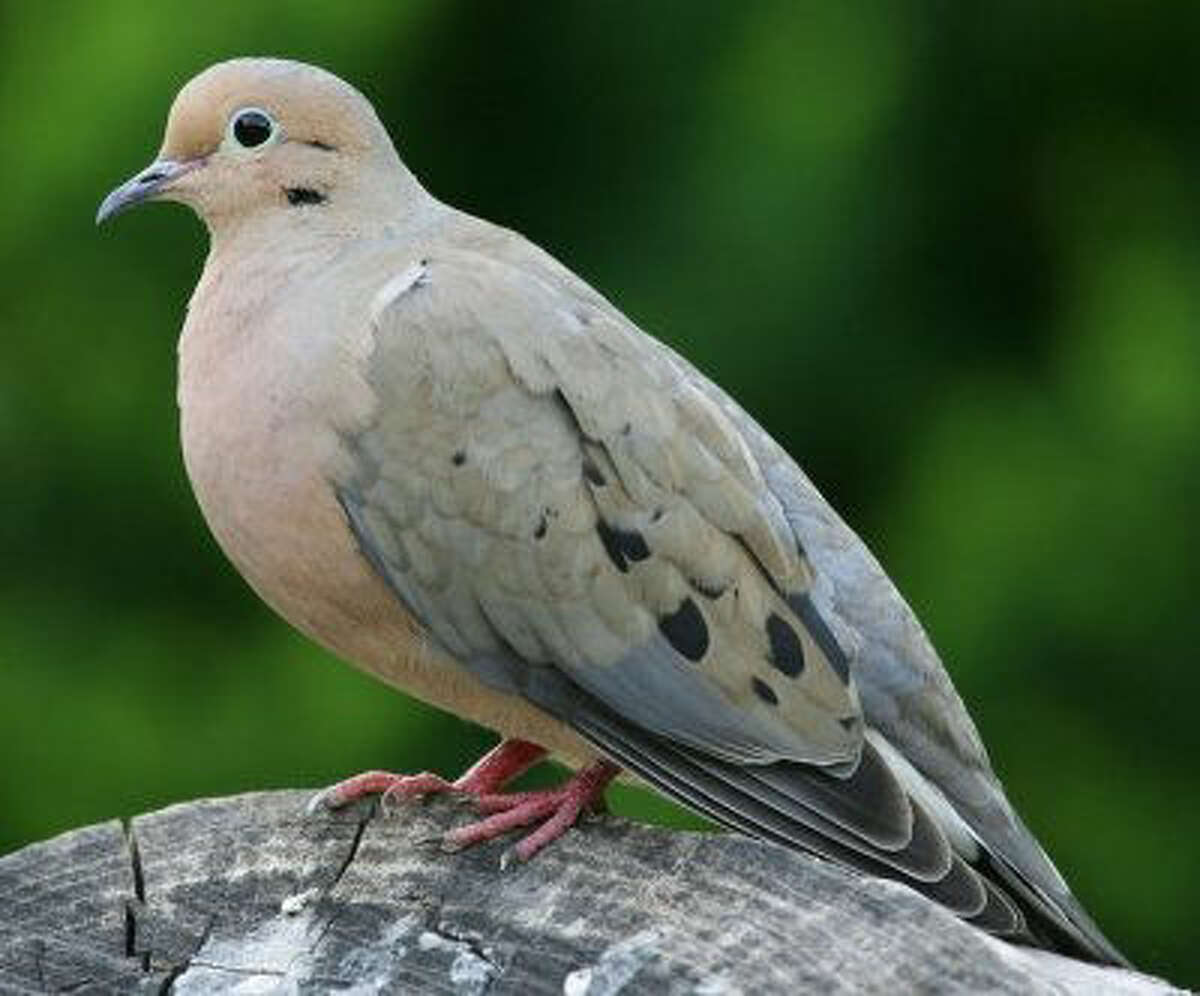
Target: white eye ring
column 251, row 127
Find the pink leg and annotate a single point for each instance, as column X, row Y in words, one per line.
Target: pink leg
column 494, row 770
column 499, row 766
column 556, row 809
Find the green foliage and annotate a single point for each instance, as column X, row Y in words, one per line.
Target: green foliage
column 948, row 254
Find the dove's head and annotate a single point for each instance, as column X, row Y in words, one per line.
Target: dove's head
column 251, row 138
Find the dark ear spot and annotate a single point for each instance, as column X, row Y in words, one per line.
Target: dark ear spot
column 297, row 196
column 686, row 630
column 787, row 652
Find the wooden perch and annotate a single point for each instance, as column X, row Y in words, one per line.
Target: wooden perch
column 249, row 894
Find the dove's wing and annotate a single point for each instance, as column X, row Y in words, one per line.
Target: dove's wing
column 544, row 495
column 579, row 518
column 907, row 696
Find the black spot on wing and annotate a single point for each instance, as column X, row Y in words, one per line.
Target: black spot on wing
column 686, row 630
column 592, row 473
column 621, row 545
column 540, row 530
column 459, row 458
column 787, row 652
column 567, row 410
column 764, row 691
column 803, row 607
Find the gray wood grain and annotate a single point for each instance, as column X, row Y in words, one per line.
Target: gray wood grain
column 248, row 894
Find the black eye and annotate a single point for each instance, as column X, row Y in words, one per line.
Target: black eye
column 251, row 128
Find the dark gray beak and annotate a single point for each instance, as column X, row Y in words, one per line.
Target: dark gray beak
column 142, row 187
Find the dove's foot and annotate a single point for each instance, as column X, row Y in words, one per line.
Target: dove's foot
column 556, row 809
column 493, row 771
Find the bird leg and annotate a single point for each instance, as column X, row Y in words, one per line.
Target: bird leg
column 557, row 809
column 493, row 771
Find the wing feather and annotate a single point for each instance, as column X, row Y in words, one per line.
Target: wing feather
column 532, row 480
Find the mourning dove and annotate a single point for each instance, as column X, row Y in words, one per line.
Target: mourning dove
column 442, row 455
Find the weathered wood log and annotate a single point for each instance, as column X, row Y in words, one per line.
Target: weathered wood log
column 249, row 894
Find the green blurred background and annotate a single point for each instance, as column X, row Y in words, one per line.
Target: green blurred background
column 948, row 255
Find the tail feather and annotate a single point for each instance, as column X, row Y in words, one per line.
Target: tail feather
column 803, row 807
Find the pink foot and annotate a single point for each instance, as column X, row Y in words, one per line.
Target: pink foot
column 493, row 771
column 555, row 809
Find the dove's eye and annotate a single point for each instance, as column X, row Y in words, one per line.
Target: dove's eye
column 251, row 127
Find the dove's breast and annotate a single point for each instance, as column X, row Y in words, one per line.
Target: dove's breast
column 263, row 409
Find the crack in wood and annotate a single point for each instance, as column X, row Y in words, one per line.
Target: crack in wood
column 679, row 908
column 135, row 860
column 471, row 940
column 351, row 854
column 139, row 896
column 179, row 968
column 468, row 942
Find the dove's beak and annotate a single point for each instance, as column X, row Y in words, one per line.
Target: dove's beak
column 150, row 182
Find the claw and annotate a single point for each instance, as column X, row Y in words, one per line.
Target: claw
column 554, row 811
column 319, row 801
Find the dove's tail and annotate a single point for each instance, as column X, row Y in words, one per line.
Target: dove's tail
column 989, row 834
column 865, row 818
column 1057, row 919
